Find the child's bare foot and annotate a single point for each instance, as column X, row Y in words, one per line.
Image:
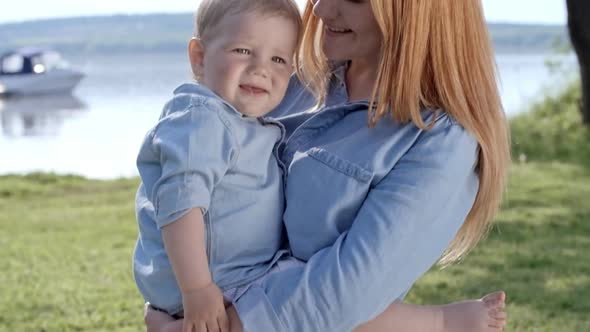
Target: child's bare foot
column 484, row 315
column 157, row 321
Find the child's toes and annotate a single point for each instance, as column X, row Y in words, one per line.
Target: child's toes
column 497, row 326
column 499, row 314
column 495, row 299
column 497, row 319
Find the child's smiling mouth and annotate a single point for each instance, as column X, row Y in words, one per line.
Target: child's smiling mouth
column 252, row 89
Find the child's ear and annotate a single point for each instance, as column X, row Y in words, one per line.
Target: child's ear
column 196, row 54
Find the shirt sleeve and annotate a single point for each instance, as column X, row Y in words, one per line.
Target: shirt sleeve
column 195, row 148
column 400, row 231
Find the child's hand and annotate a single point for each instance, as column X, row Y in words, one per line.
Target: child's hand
column 204, row 310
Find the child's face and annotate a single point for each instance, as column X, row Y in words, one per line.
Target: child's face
column 248, row 61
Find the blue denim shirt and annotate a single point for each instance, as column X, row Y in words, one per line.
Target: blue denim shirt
column 204, row 154
column 369, row 209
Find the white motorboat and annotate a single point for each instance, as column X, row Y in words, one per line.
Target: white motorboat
column 35, row 71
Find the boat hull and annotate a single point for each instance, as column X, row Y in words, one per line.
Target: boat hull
column 54, row 81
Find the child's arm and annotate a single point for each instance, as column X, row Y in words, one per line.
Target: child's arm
column 202, row 300
column 185, row 244
column 188, row 152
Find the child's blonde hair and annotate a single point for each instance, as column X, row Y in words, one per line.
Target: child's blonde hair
column 212, row 12
column 435, row 54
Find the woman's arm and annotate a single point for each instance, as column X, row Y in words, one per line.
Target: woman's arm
column 401, row 230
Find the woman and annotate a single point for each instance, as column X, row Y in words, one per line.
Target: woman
column 376, row 194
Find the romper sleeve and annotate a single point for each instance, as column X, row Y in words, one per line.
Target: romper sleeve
column 404, row 225
column 194, row 148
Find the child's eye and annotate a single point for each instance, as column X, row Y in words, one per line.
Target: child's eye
column 242, row 51
column 279, row 60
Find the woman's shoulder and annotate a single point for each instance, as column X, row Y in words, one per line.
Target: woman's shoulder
column 441, row 137
column 441, row 121
column 446, row 132
column 298, row 99
column 436, row 121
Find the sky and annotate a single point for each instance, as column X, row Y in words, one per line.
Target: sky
column 517, row 11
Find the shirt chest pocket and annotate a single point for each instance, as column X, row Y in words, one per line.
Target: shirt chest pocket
column 324, row 193
column 340, row 165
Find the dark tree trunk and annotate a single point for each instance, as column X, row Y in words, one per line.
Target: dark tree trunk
column 579, row 29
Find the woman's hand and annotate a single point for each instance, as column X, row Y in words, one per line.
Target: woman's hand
column 204, row 310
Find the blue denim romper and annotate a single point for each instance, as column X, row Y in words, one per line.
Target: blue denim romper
column 204, row 154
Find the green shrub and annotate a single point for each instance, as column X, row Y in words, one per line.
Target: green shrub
column 552, row 130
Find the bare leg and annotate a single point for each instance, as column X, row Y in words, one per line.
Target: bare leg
column 405, row 317
column 483, row 315
column 235, row 325
column 157, row 321
column 175, row 326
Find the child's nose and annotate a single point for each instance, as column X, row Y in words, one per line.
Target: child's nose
column 258, row 67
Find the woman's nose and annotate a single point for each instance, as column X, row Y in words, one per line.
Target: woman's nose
column 324, row 9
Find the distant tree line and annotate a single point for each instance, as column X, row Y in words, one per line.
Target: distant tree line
column 170, row 33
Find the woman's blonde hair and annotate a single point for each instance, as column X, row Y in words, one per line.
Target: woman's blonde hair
column 435, row 54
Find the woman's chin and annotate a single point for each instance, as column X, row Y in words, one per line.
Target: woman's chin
column 335, row 55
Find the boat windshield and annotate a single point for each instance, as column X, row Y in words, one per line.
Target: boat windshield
column 12, row 64
column 46, row 61
column 39, row 63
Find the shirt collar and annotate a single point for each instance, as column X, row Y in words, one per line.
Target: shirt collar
column 203, row 90
column 337, row 92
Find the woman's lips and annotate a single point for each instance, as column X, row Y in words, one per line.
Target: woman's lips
column 331, row 31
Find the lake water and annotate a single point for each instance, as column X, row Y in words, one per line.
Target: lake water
column 97, row 131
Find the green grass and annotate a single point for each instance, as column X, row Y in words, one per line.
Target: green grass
column 537, row 252
column 65, row 255
column 66, row 246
